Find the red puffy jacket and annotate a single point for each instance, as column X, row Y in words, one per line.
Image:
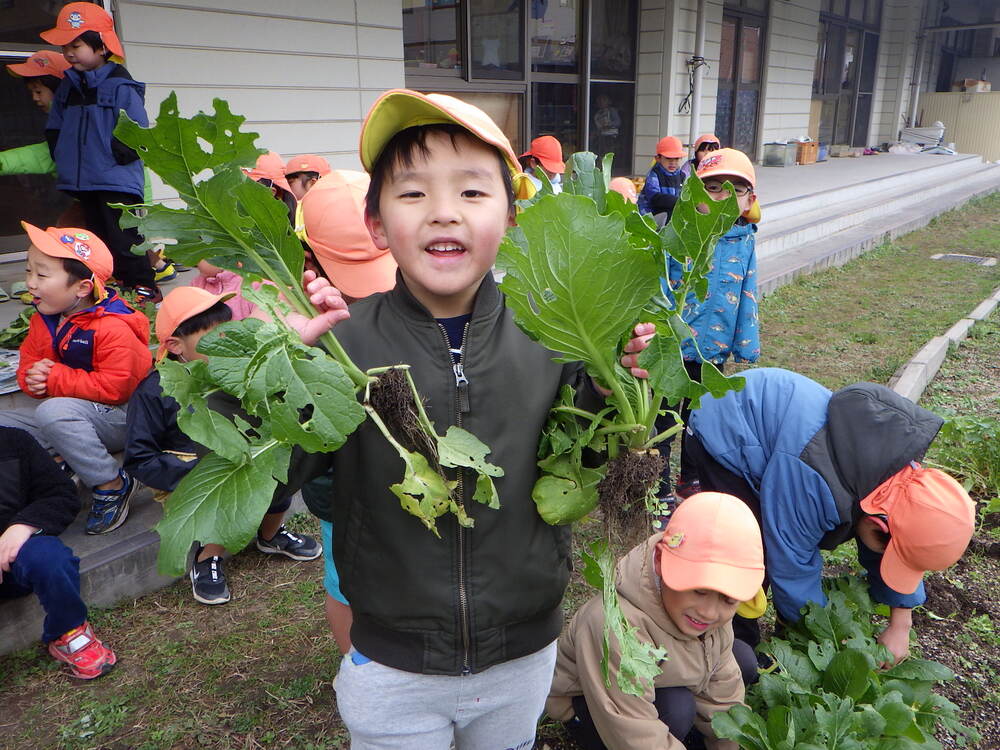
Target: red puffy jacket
column 101, row 353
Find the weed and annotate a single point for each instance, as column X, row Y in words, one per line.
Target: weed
column 98, row 719
column 982, row 626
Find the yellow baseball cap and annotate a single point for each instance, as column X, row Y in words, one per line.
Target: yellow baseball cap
column 399, row 109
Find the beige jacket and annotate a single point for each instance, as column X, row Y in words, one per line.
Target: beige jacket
column 704, row 665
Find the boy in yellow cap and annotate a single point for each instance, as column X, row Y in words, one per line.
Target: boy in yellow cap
column 91, row 164
column 85, row 352
column 453, row 641
column 159, row 454
column 680, row 589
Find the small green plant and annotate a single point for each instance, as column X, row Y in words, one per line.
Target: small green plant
column 12, row 336
column 828, row 692
column 969, row 448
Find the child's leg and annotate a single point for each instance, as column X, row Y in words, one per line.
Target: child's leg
column 85, row 434
column 501, row 706
column 130, row 269
column 274, row 538
column 675, row 706
column 338, row 611
column 49, row 568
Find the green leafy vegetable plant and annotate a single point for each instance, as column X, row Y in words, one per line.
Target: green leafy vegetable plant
column 13, row 335
column 290, row 395
column 827, row 691
column 969, row 447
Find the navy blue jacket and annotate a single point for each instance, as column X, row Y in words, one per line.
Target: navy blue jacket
column 812, row 456
column 81, row 125
column 33, row 490
column 661, row 182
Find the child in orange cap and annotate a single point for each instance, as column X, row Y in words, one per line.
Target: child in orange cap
column 725, row 323
column 545, row 154
column 301, row 173
column 703, row 146
column 85, row 353
column 42, row 74
column 159, row 454
column 92, row 165
column 38, row 505
column 663, row 182
column 821, row 468
column 680, row 589
column 453, row 640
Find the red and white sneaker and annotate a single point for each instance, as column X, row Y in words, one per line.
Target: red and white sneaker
column 86, row 656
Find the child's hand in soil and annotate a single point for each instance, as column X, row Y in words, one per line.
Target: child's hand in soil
column 896, row 636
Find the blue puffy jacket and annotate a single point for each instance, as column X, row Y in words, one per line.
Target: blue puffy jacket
column 81, row 125
column 812, row 456
column 726, row 322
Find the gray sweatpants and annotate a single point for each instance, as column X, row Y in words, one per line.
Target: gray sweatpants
column 83, row 432
column 498, row 709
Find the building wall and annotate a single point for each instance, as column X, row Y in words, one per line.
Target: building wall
column 304, row 74
column 897, row 52
column 969, row 120
column 790, row 57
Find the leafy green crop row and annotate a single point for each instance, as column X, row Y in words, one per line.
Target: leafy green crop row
column 968, row 447
column 827, row 691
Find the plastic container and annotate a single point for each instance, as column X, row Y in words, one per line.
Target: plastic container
column 823, row 152
column 778, row 155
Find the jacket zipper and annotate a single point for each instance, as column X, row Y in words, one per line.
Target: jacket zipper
column 461, row 406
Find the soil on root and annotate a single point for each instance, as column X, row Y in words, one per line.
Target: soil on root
column 622, row 493
column 392, row 399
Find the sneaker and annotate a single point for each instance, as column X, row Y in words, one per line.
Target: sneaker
column 86, row 656
column 208, row 581
column 687, row 487
column 110, row 508
column 167, row 273
column 145, row 295
column 290, row 545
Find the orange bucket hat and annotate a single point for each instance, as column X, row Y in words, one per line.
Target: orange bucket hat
column 727, row 162
column 75, row 244
column 713, row 542
column 626, row 187
column 670, row 147
column 931, row 519
column 706, row 138
column 548, row 150
column 76, row 18
column 180, row 304
column 399, row 109
column 45, row 62
column 333, row 216
column 269, row 166
column 307, row 163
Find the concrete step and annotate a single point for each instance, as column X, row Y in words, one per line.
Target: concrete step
column 852, row 205
column 884, row 225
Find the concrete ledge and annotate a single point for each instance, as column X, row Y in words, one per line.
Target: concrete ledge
column 957, row 333
column 984, row 309
column 910, row 380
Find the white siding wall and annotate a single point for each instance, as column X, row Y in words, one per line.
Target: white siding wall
column 788, row 70
column 302, row 72
column 897, row 49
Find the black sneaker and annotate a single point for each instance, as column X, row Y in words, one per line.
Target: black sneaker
column 110, row 507
column 208, row 581
column 290, row 545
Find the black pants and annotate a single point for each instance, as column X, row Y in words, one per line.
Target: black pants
column 715, row 477
column 689, row 471
column 674, row 705
column 130, row 269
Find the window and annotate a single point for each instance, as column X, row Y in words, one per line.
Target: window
column 612, row 112
column 554, row 29
column 496, row 38
column 556, row 111
column 430, row 36
column 613, row 37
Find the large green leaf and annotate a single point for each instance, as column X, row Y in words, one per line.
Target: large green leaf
column 640, row 662
column 847, row 674
column 218, row 502
column 574, row 282
column 742, row 726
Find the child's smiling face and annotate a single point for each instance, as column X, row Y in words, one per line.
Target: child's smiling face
column 697, row 611
column 55, row 292
column 443, row 218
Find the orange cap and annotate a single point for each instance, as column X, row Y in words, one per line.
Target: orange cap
column 333, row 214
column 713, row 542
column 548, row 150
column 307, row 163
column 269, row 166
column 931, row 520
column 399, row 109
column 706, row 138
column 76, row 18
column 670, row 147
column 45, row 62
column 626, row 187
column 727, row 162
column 180, row 304
column 75, row 244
